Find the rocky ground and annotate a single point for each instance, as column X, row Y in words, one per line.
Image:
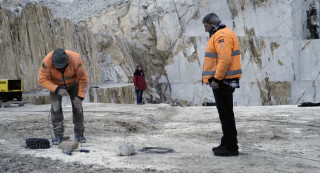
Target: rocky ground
column 271, row 139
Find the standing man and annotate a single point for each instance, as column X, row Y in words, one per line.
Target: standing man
column 222, row 71
column 63, row 73
column 139, row 82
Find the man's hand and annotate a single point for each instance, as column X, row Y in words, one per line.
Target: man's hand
column 77, row 102
column 63, row 92
column 214, row 85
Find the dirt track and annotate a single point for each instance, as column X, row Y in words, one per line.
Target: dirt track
column 271, row 139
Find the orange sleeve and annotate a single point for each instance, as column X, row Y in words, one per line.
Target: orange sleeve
column 82, row 77
column 45, row 78
column 223, row 45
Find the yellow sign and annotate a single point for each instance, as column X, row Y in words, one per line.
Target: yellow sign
column 11, row 85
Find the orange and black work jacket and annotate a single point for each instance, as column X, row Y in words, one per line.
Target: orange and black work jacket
column 75, row 73
column 222, row 57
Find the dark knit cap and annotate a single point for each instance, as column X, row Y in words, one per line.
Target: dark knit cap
column 60, row 58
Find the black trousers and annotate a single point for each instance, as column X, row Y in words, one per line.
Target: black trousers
column 224, row 101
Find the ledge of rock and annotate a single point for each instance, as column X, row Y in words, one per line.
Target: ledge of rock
column 39, row 98
column 112, row 93
column 107, row 93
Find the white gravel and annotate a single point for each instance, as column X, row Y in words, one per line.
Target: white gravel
column 75, row 10
column 271, row 139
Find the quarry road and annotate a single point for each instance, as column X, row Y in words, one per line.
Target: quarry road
column 271, row 139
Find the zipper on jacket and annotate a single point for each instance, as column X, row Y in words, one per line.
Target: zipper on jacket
column 64, row 82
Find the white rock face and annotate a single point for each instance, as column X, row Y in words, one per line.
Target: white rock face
column 280, row 65
column 29, row 34
column 168, row 39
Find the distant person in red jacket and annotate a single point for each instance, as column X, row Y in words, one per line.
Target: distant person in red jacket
column 139, row 83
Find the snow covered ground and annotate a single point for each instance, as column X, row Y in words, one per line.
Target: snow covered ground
column 271, row 139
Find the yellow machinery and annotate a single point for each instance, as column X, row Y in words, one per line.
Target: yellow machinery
column 10, row 90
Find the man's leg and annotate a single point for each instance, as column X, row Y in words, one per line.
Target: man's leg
column 229, row 121
column 56, row 117
column 224, row 102
column 220, row 99
column 78, row 118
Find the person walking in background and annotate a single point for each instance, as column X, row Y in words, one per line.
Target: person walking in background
column 63, row 73
column 139, row 83
column 222, row 71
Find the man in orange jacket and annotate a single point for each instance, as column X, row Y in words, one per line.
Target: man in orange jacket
column 63, row 73
column 222, row 71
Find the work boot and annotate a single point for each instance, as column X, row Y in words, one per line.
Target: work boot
column 57, row 139
column 80, row 138
column 224, row 151
column 216, row 148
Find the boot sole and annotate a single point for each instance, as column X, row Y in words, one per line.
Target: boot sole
column 226, row 154
column 215, row 149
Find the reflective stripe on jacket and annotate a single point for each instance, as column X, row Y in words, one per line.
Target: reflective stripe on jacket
column 51, row 78
column 222, row 57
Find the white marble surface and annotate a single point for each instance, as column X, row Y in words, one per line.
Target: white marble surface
column 295, row 60
column 284, row 69
column 168, row 38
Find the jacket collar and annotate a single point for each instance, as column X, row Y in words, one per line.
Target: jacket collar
column 216, row 27
column 139, row 71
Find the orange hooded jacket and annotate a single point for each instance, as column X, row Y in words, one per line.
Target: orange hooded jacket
column 222, row 57
column 51, row 78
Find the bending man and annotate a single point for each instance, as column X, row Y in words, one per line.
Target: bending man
column 63, row 73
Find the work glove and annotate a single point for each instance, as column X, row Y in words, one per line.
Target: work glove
column 214, row 85
column 77, row 102
column 63, row 92
column 136, row 90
